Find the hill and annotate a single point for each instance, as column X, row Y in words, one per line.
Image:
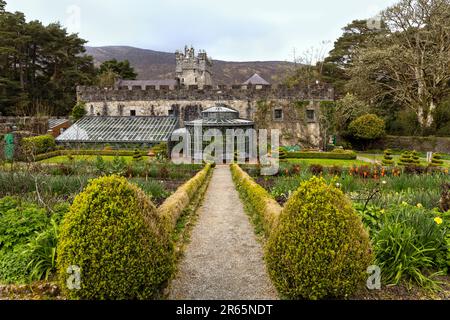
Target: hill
column 151, row 64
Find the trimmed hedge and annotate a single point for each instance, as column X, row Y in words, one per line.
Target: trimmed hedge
column 114, row 234
column 257, row 200
column 320, row 248
column 342, row 155
column 121, row 153
column 173, row 206
column 34, row 146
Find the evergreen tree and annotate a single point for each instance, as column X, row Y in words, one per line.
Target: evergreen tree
column 122, row 68
column 40, row 66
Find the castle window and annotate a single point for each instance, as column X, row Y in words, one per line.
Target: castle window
column 120, row 110
column 91, row 110
column 278, row 114
column 310, row 115
column 171, row 112
column 133, row 113
column 195, row 80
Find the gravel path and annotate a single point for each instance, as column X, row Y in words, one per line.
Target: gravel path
column 373, row 161
column 224, row 261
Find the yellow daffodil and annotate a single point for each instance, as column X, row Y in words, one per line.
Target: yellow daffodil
column 404, row 203
column 419, row 205
column 438, row 220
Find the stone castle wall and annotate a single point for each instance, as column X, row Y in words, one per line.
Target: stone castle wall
column 262, row 106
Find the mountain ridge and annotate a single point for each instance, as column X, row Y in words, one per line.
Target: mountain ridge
column 157, row 65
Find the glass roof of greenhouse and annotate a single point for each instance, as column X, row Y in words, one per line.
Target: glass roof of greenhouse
column 120, row 129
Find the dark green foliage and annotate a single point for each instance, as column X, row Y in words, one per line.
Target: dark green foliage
column 40, row 67
column 100, row 165
column 388, row 159
column 79, row 111
column 340, row 58
column 41, row 253
column 122, row 68
column 436, row 160
column 409, row 243
column 28, row 240
column 320, row 248
column 415, row 158
column 343, row 155
column 19, row 222
column 137, row 155
column 118, row 165
column 282, row 154
column 371, row 216
column 117, row 238
column 405, row 159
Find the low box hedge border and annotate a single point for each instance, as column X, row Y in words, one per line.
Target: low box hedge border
column 256, row 199
column 122, row 153
column 173, row 207
column 344, row 155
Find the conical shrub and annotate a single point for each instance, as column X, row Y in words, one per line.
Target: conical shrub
column 320, row 248
column 114, row 236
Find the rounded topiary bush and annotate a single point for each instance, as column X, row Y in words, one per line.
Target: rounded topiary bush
column 320, row 248
column 113, row 233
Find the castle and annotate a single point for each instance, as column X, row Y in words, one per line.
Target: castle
column 295, row 111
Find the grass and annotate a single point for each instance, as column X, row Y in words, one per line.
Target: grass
column 67, row 160
column 327, row 162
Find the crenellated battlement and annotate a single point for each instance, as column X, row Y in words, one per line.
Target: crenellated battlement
column 193, row 92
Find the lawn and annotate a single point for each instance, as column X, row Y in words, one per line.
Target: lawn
column 327, row 162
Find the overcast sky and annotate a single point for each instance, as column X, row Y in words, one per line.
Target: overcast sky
column 235, row 30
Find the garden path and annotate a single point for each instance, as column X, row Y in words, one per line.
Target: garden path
column 224, row 259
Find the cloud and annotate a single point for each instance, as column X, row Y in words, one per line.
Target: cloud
column 229, row 30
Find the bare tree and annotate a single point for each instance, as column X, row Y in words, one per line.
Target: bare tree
column 411, row 63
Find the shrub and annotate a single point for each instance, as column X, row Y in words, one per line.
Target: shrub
column 258, row 202
column 137, row 155
column 100, row 165
column 388, row 159
column 116, row 237
column 342, row 155
column 173, row 207
column 415, row 169
column 19, row 222
column 405, row 159
column 282, row 154
column 79, row 111
column 320, row 248
column 316, row 169
column 161, row 151
column 367, row 127
column 37, row 145
column 408, row 243
column 335, row 170
column 436, row 160
column 415, row 158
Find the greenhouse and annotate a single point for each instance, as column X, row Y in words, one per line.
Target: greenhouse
column 123, row 131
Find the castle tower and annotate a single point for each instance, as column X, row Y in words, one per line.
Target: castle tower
column 193, row 70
